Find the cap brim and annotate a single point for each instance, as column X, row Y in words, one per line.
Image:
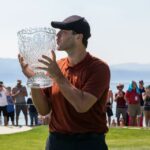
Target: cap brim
column 59, row 25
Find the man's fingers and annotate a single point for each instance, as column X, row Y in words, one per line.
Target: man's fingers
column 44, row 62
column 22, row 63
column 20, row 58
column 43, row 68
column 53, row 55
column 47, row 58
column 24, row 66
column 51, row 58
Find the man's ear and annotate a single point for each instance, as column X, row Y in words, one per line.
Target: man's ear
column 79, row 36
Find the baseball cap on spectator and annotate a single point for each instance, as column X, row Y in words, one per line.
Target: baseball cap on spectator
column 76, row 23
column 141, row 82
column 1, row 83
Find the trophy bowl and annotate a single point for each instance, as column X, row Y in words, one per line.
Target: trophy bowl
column 33, row 43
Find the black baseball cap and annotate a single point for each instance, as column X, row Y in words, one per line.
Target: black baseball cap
column 76, row 23
column 1, row 83
column 141, row 82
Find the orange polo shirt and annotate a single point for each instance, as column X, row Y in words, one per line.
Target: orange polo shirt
column 91, row 75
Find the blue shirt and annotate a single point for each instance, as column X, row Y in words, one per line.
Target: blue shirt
column 10, row 106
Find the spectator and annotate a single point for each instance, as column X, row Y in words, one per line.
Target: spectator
column 19, row 93
column 146, row 97
column 3, row 102
column 10, row 106
column 109, row 106
column 142, row 90
column 121, row 107
column 132, row 97
column 32, row 112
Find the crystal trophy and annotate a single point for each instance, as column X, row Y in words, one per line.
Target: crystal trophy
column 33, row 43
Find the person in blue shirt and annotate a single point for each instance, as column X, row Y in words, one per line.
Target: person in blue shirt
column 10, row 106
column 32, row 112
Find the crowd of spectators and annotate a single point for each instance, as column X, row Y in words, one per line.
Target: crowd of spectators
column 13, row 101
column 132, row 105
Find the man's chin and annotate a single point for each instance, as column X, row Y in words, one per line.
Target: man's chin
column 59, row 49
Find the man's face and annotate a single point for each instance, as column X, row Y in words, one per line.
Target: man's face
column 120, row 88
column 141, row 85
column 134, row 85
column 65, row 40
column 18, row 82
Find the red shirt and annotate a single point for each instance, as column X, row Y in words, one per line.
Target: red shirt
column 91, row 75
column 133, row 97
column 121, row 102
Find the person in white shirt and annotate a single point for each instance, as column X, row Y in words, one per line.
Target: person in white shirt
column 3, row 103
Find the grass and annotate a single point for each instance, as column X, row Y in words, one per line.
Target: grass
column 30, row 140
column 128, row 139
column 117, row 139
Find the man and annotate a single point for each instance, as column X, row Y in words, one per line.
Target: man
column 3, row 102
column 142, row 90
column 77, row 99
column 19, row 92
column 32, row 112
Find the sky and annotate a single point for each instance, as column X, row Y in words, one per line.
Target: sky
column 120, row 28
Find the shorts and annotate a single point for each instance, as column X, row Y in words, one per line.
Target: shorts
column 11, row 115
column 21, row 107
column 134, row 110
column 121, row 111
column 109, row 112
column 3, row 109
column 146, row 108
column 81, row 141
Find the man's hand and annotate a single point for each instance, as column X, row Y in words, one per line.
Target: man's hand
column 80, row 100
column 25, row 67
column 51, row 66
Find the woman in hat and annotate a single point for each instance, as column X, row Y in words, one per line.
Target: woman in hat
column 121, row 108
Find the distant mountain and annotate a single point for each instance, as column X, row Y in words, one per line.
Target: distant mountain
column 10, row 71
column 130, row 71
column 131, row 67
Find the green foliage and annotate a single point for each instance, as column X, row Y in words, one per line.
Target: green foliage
column 116, row 138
